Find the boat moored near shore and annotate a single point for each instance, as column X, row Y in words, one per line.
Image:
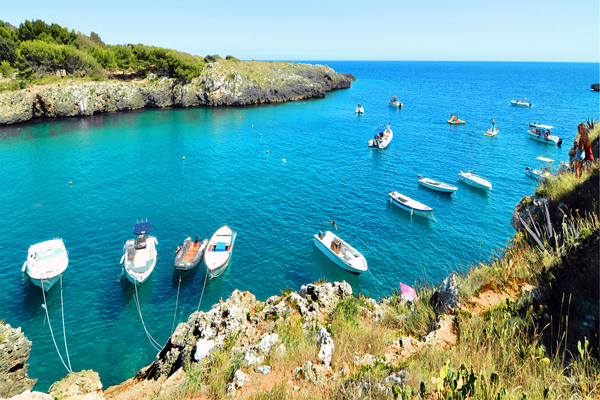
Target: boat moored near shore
column 436, row 185
column 474, row 180
column 409, row 205
column 341, row 253
column 189, row 254
column 218, row 251
column 383, row 137
column 46, row 261
column 139, row 254
column 542, row 133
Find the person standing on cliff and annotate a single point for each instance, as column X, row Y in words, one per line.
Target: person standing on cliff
column 582, row 148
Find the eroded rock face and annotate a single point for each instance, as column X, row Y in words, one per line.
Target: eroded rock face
column 448, row 294
column 14, row 353
column 78, row 384
column 220, row 84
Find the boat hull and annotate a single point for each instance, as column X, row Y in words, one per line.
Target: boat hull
column 144, row 269
column 520, row 104
column 217, row 260
column 384, row 142
column 46, row 261
column 47, row 283
column 438, row 188
column 180, row 265
column 337, row 260
column 553, row 140
column 420, row 212
column 473, row 183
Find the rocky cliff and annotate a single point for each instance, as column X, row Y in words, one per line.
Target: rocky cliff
column 223, row 83
column 14, row 353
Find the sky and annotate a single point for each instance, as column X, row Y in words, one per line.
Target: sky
column 436, row 30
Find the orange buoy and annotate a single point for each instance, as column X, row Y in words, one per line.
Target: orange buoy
column 267, row 151
column 70, row 182
column 184, row 158
column 261, row 134
column 240, row 117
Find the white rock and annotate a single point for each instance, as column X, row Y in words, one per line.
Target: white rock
column 263, row 369
column 266, row 343
column 203, row 347
column 252, row 358
column 240, row 378
column 325, row 341
column 29, row 395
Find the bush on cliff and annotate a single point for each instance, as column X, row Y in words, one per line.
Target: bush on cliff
column 8, row 50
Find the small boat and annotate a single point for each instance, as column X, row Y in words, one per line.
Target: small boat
column 438, row 186
column 474, row 180
column 341, row 253
column 218, row 251
column 395, row 102
column 492, row 132
column 542, row 133
column 46, row 261
column 383, row 137
column 455, row 121
column 360, row 109
column 545, row 173
column 409, row 205
column 520, row 103
column 139, row 254
column 190, row 253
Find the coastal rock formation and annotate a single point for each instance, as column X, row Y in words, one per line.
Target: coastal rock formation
column 78, row 385
column 223, row 83
column 14, row 353
column 596, row 87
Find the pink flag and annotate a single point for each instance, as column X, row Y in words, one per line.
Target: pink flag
column 407, row 292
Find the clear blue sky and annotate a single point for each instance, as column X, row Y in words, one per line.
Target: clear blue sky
column 458, row 30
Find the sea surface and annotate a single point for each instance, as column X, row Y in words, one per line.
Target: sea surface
column 276, row 174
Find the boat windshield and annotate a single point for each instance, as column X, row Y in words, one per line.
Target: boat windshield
column 47, row 254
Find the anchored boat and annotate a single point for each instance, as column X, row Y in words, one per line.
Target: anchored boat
column 520, row 103
column 474, row 180
column 542, row 133
column 545, row 173
column 190, row 253
column 45, row 262
column 218, row 251
column 341, row 253
column 395, row 102
column 359, row 109
column 409, row 205
column 383, row 137
column 436, row 185
column 139, row 254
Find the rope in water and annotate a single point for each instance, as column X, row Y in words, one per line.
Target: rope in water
column 50, row 325
column 176, row 303
column 62, row 307
column 153, row 342
column 203, row 286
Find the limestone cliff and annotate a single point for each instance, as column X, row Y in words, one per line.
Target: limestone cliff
column 223, row 83
column 14, row 353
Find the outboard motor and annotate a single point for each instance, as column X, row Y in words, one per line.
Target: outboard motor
column 559, row 142
column 320, row 235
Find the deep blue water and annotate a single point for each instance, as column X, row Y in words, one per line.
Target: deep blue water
column 128, row 166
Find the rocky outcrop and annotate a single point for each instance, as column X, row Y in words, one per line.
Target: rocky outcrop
column 78, row 386
column 222, row 83
column 596, row 87
column 14, row 353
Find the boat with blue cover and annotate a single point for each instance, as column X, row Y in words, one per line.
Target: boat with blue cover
column 340, row 253
column 409, row 205
column 46, row 261
column 218, row 251
column 383, row 137
column 139, row 254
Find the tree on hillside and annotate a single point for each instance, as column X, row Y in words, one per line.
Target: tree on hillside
column 8, row 51
column 39, row 30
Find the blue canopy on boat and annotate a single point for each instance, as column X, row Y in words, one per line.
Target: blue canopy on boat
column 379, row 130
column 142, row 227
column 220, row 246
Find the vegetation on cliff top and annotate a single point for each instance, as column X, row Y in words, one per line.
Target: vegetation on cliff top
column 39, row 50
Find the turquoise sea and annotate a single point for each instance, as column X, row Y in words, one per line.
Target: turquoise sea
column 275, row 174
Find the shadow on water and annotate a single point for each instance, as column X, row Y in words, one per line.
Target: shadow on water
column 440, row 196
column 332, row 271
column 187, row 277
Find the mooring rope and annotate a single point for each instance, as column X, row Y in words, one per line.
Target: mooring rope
column 50, row 325
column 153, row 342
column 203, row 286
column 62, row 307
column 176, row 303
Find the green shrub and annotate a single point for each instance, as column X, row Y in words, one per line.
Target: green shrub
column 8, row 50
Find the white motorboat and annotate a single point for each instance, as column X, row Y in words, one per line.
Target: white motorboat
column 409, row 205
column 139, row 254
column 218, row 251
column 474, row 180
column 542, row 133
column 491, row 132
column 436, row 185
column 520, row 103
column 383, row 137
column 46, row 261
column 545, row 173
column 341, row 253
column 359, row 109
column 190, row 253
column 395, row 102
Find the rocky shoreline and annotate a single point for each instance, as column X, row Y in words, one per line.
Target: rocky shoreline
column 223, row 83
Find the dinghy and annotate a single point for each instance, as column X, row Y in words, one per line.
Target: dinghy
column 218, row 251
column 409, row 205
column 45, row 262
column 542, row 133
column 190, row 253
column 520, row 103
column 341, row 253
column 436, row 185
column 139, row 254
column 474, row 180
column 383, row 137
